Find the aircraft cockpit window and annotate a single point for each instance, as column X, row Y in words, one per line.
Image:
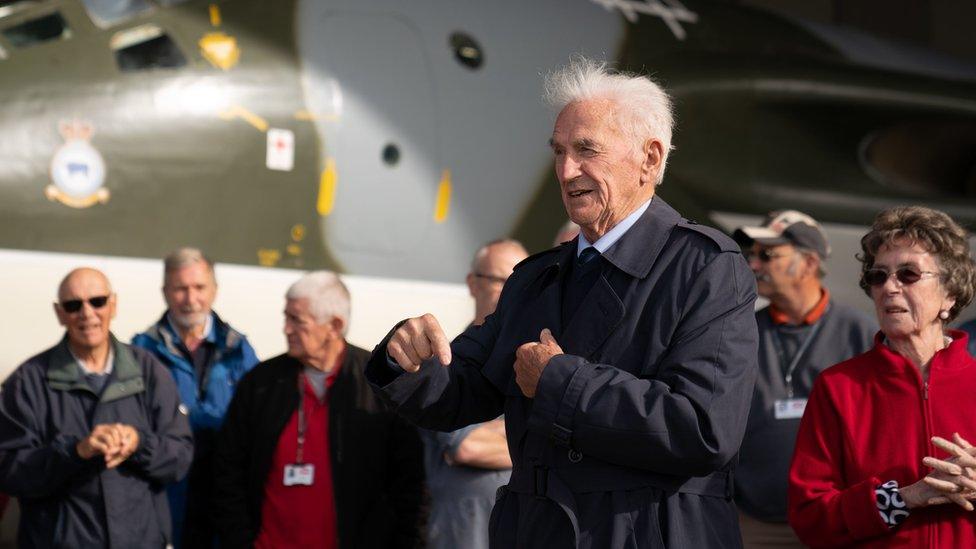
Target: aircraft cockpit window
column 105, row 13
column 466, row 50
column 146, row 47
column 35, row 31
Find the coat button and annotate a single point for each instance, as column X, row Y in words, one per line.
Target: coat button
column 575, row 455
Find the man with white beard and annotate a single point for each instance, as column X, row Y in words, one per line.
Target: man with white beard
column 206, row 358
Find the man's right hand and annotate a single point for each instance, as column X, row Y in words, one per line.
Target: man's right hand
column 417, row 340
column 104, row 439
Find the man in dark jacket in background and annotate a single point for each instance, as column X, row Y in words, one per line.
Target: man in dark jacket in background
column 308, row 456
column 206, row 357
column 90, row 432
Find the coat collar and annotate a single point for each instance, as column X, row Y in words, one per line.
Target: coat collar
column 637, row 250
column 64, row 374
column 953, row 357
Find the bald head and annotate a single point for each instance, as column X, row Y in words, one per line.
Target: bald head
column 84, row 276
column 86, row 307
column 492, row 265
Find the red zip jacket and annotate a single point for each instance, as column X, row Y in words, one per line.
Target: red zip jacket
column 870, row 420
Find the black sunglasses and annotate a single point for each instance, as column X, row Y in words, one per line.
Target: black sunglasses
column 764, row 255
column 490, row 278
column 74, row 305
column 905, row 275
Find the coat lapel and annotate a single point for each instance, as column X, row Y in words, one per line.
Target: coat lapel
column 600, row 312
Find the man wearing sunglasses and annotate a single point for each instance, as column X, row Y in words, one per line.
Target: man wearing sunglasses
column 206, row 357
column 801, row 332
column 90, row 432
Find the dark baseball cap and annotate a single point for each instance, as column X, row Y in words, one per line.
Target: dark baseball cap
column 786, row 227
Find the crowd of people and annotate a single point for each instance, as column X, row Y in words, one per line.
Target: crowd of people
column 617, row 390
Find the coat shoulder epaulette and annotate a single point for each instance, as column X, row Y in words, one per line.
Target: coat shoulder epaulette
column 720, row 239
column 544, row 253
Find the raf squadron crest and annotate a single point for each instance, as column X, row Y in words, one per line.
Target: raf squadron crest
column 77, row 169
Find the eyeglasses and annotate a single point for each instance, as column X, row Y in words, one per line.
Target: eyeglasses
column 905, row 275
column 74, row 305
column 763, row 255
column 491, row 278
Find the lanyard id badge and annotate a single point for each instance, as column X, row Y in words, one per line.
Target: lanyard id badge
column 299, row 473
column 789, row 408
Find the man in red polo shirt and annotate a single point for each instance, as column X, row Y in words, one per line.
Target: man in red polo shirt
column 308, row 456
column 801, row 332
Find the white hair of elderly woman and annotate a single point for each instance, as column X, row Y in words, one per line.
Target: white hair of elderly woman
column 644, row 109
column 326, row 294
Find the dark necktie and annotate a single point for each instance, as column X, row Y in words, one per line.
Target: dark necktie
column 587, row 255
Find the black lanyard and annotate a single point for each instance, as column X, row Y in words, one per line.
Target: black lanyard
column 795, row 361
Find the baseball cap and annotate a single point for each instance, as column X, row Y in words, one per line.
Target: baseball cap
column 786, row 227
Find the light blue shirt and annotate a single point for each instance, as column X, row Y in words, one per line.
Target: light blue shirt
column 603, row 243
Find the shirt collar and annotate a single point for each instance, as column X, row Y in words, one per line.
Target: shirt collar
column 109, row 361
column 613, row 235
column 815, row 314
column 208, row 331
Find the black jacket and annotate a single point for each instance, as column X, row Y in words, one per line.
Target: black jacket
column 65, row 501
column 377, row 458
column 631, row 436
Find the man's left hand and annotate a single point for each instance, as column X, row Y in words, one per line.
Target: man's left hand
column 531, row 359
column 130, row 443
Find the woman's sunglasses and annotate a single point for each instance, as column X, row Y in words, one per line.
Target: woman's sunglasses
column 74, row 305
column 905, row 275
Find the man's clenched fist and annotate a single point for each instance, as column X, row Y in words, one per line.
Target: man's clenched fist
column 531, row 359
column 418, row 339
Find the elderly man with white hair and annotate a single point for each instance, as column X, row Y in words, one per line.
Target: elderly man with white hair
column 624, row 360
column 308, row 456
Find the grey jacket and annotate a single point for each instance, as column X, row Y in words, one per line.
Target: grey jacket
column 631, row 437
column 47, row 407
column 764, row 461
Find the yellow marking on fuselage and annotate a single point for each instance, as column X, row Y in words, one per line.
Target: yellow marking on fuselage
column 327, row 188
column 308, row 116
column 215, row 15
column 298, row 232
column 220, row 50
column 294, row 249
column 268, row 257
column 238, row 111
column 443, row 201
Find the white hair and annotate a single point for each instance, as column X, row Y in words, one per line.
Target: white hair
column 181, row 257
column 327, row 296
column 643, row 108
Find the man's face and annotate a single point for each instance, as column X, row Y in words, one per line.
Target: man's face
column 602, row 175
column 306, row 337
column 486, row 282
column 87, row 327
column 190, row 292
column 777, row 268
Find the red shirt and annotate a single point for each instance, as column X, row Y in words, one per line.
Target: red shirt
column 301, row 516
column 870, row 420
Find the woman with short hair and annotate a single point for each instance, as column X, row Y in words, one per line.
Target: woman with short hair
column 873, row 465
